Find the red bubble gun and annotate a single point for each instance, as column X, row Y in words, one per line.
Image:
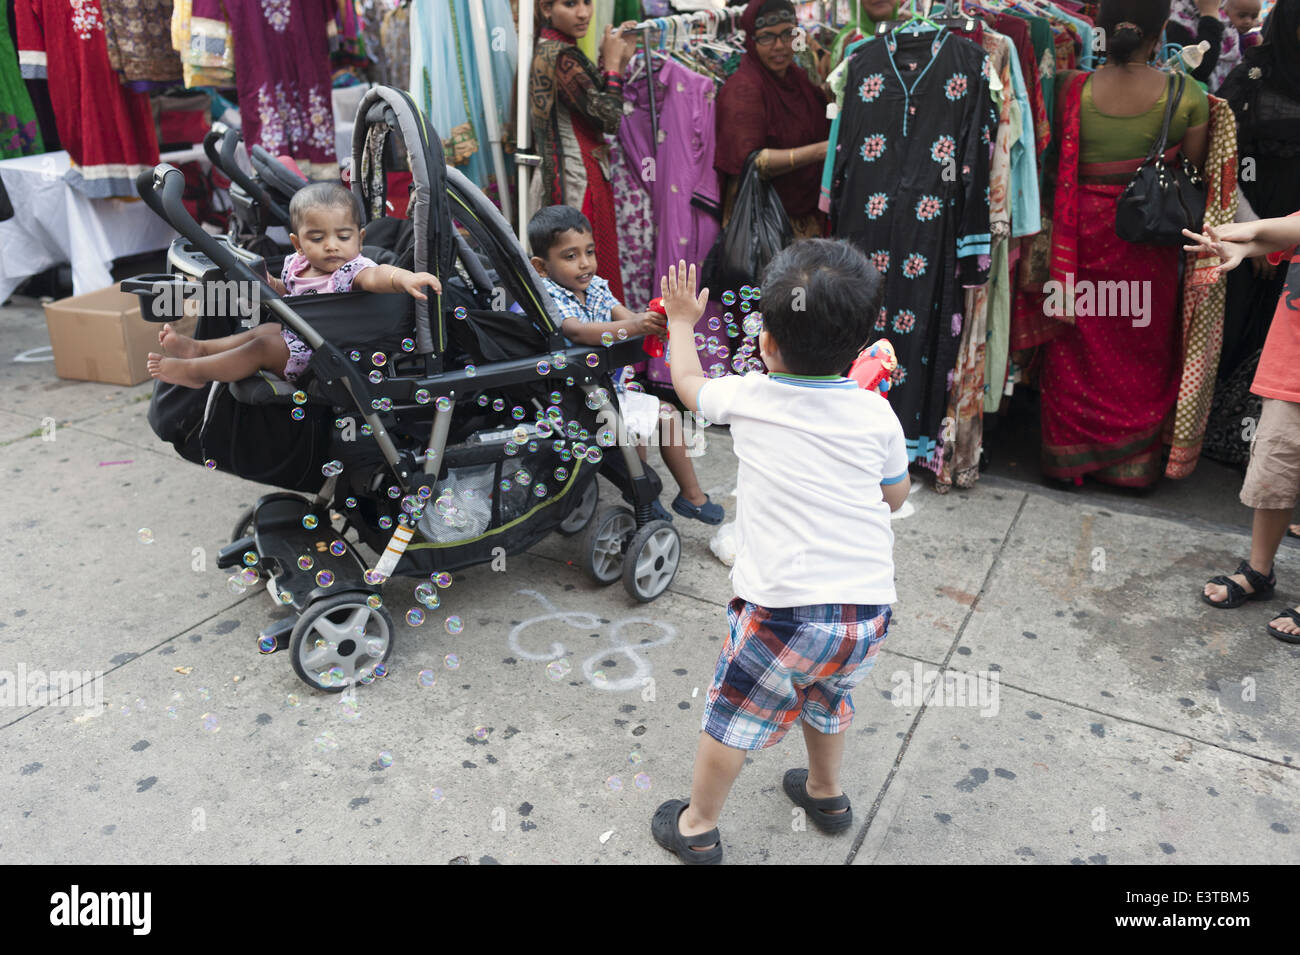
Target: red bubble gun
column 874, row 366
column 653, row 345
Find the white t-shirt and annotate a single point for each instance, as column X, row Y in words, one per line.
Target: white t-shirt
column 812, row 526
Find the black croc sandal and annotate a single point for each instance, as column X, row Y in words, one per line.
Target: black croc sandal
column 819, row 811
column 1237, row 595
column 666, row 832
column 1281, row 634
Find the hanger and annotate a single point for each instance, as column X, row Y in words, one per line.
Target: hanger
column 918, row 22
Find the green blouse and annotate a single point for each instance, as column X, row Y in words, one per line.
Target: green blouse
column 1106, row 138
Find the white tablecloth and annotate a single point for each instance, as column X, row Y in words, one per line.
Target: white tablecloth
column 53, row 224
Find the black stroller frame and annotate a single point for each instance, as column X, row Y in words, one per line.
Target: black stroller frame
column 340, row 633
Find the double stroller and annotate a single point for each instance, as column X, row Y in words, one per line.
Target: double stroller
column 436, row 434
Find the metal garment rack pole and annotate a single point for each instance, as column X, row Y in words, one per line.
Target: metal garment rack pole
column 478, row 22
column 522, row 144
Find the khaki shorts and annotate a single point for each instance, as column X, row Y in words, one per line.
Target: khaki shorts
column 1273, row 477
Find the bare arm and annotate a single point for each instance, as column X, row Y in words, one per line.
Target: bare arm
column 896, row 494
column 389, row 278
column 684, row 309
column 1196, row 144
column 590, row 333
column 780, row 162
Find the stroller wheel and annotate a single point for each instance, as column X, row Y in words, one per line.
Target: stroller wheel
column 339, row 641
column 651, row 560
column 581, row 515
column 603, row 544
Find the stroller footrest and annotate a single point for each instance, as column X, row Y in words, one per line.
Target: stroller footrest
column 275, row 636
column 232, row 554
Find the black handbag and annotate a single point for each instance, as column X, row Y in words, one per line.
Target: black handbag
column 1164, row 198
column 758, row 229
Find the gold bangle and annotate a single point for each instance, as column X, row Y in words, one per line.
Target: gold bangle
column 392, row 278
column 792, row 160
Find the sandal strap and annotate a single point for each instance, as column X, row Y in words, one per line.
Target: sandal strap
column 1255, row 578
column 1288, row 612
column 1236, row 593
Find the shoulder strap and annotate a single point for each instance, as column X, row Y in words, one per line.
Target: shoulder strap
column 1175, row 94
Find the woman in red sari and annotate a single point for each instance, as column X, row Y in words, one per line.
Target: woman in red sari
column 573, row 105
column 1110, row 377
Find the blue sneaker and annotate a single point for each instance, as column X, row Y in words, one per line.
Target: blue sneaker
column 708, row 512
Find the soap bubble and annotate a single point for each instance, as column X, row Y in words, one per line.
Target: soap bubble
column 375, row 377
column 557, row 670
column 728, row 297
column 235, row 584
column 606, row 339
column 210, row 464
column 354, row 355
column 442, row 578
column 481, row 732
column 461, row 312
column 325, row 578
column 642, row 781
column 498, row 404
column 374, row 601
column 422, row 396
column 385, row 759
column 332, row 468
column 210, row 723
column 266, row 644
column 436, row 794
column 250, row 557
column 338, row 548
column 615, row 783
column 385, row 522
column 305, row 562
column 408, row 344
column 350, row 502
column 300, row 397
column 379, row 359
column 297, row 414
column 451, row 661
column 543, row 367
column 309, row 521
column 145, row 535
column 415, row 616
column 454, row 625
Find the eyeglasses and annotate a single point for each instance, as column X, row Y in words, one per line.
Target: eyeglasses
column 767, row 39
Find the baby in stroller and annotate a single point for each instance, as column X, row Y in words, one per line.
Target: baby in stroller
column 325, row 219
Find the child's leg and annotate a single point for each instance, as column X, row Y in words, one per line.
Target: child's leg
column 259, row 352
column 182, row 346
column 716, row 769
column 825, row 756
column 672, row 446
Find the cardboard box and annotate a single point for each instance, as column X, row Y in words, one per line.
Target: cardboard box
column 100, row 336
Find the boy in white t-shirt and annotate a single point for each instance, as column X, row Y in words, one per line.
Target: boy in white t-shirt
column 822, row 464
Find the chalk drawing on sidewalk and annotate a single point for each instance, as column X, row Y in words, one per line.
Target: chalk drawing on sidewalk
column 36, row 354
column 588, row 623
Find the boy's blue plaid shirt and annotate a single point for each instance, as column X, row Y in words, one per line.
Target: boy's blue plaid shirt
column 599, row 308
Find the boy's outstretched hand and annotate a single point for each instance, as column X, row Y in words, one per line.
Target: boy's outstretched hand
column 1230, row 242
column 680, row 301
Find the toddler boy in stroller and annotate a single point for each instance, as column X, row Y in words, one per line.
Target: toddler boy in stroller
column 564, row 254
column 325, row 219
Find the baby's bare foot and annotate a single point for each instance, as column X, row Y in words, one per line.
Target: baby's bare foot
column 178, row 345
column 174, row 371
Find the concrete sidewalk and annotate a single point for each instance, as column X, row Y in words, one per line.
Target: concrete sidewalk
column 1121, row 719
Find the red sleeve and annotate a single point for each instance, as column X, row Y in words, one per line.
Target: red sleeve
column 31, row 40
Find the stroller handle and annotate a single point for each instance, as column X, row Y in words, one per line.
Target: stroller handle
column 163, row 188
column 224, row 159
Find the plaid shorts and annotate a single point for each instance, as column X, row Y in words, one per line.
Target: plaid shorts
column 778, row 665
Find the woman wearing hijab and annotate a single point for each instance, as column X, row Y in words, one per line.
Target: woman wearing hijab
column 771, row 106
column 572, row 105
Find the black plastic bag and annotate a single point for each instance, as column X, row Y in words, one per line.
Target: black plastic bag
column 757, row 231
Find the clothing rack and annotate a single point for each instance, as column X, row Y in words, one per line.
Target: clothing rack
column 680, row 24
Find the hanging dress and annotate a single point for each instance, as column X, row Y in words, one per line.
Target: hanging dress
column 910, row 188
column 20, row 132
column 108, row 131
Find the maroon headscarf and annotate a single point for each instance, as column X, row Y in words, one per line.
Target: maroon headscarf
column 757, row 109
